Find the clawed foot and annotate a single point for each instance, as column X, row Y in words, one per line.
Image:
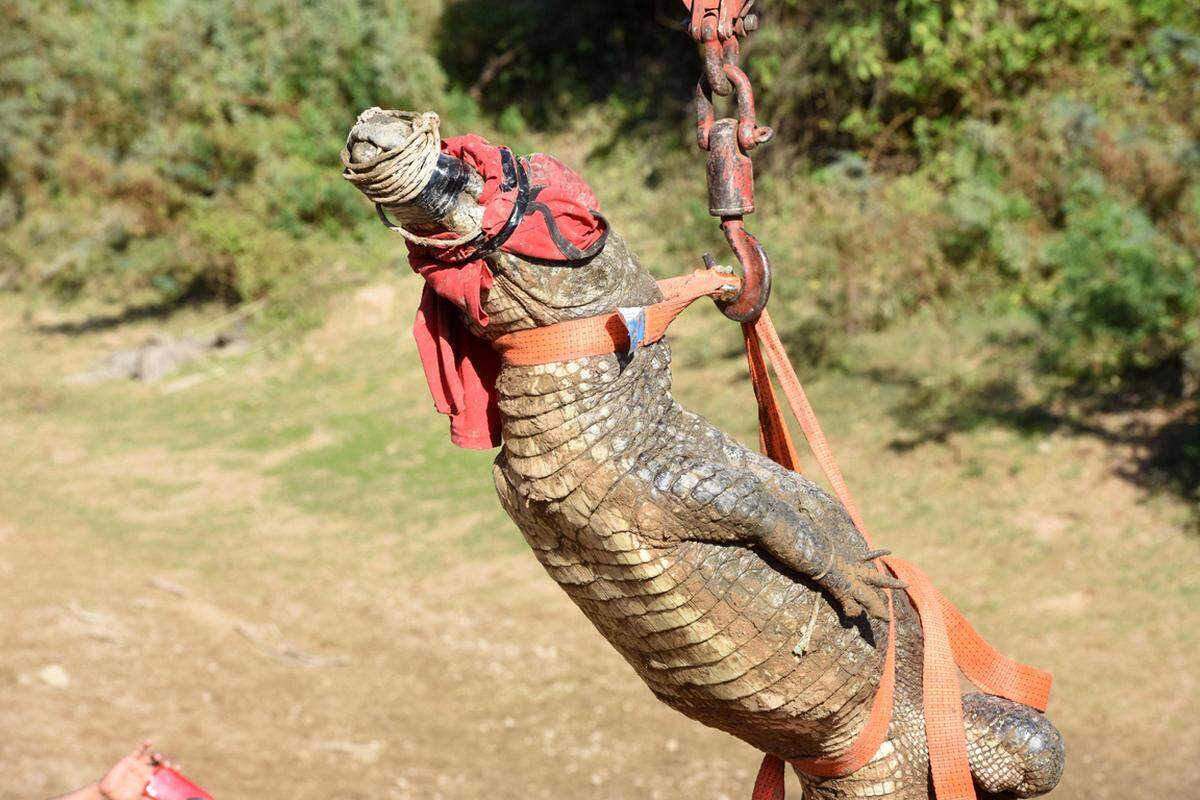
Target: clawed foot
column 855, row 585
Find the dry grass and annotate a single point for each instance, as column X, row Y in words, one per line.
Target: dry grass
column 287, row 576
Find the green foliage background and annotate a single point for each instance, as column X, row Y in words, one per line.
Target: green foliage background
column 1037, row 157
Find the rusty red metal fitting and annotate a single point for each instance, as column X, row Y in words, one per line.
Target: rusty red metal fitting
column 748, row 304
column 750, row 133
column 714, row 64
column 730, row 173
column 730, row 17
column 717, row 26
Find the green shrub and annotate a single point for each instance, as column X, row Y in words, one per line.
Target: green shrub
column 165, row 150
column 852, row 253
column 1041, row 152
column 1120, row 298
column 891, row 74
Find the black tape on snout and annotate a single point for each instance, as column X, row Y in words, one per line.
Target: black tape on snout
column 516, row 177
column 449, row 178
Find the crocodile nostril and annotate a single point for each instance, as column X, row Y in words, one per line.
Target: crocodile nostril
column 374, row 133
column 363, row 151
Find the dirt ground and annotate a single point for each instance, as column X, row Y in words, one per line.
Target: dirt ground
column 278, row 567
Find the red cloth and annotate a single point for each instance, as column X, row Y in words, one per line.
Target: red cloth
column 461, row 368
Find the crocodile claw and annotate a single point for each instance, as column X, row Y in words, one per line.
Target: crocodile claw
column 855, row 586
column 884, row 580
column 881, row 577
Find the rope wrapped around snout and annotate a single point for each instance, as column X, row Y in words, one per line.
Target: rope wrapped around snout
column 396, row 176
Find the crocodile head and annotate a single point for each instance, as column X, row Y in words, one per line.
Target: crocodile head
column 450, row 200
column 526, row 292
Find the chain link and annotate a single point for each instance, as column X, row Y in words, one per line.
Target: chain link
column 717, row 26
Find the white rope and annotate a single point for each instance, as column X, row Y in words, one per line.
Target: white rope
column 396, row 176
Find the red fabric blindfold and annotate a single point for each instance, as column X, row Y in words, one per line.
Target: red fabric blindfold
column 461, row 368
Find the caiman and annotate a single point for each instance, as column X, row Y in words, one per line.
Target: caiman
column 737, row 590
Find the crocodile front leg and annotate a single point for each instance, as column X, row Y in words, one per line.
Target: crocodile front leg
column 725, row 505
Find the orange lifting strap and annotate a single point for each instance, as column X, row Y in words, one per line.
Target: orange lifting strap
column 951, row 644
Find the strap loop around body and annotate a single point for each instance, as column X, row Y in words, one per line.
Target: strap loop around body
column 950, row 643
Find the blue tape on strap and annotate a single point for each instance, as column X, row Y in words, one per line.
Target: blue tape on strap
column 635, row 326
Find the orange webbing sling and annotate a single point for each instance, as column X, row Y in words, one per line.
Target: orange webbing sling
column 951, row 644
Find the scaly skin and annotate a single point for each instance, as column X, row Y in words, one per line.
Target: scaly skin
column 739, row 592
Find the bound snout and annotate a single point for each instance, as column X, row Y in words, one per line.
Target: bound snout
column 395, row 158
column 375, row 132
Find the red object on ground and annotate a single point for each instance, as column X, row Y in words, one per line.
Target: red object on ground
column 460, row 367
column 167, row 784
